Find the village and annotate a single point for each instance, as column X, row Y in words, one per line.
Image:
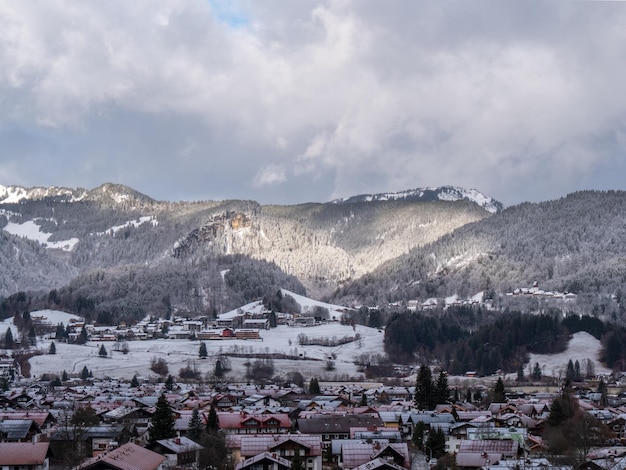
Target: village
column 303, row 421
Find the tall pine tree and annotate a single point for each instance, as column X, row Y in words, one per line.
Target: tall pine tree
column 424, row 390
column 162, row 422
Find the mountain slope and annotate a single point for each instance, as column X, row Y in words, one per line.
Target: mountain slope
column 216, row 253
column 442, row 193
column 573, row 244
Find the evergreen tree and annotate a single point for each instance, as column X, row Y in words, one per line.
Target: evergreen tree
column 363, row 401
column 562, row 409
column 102, row 352
column 442, row 390
column 424, row 390
column 418, row 434
column 162, row 422
column 9, row 342
column 203, row 352
column 296, row 462
column 60, row 331
column 314, row 386
column 84, row 374
column 32, row 336
column 602, row 390
column 219, row 369
column 194, row 429
column 570, row 374
column 169, row 383
column 82, row 337
column 272, row 319
column 520, row 373
column 64, row 377
column 53, row 348
column 134, row 382
column 499, row 395
column 577, row 375
column 537, row 372
column 436, row 442
column 212, row 421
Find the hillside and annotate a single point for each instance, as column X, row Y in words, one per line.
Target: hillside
column 113, row 250
column 573, row 244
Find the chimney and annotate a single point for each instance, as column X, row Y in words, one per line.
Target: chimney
column 177, row 441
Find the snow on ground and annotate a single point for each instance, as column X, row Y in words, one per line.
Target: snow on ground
column 582, row 347
column 183, row 353
column 32, row 231
column 308, row 304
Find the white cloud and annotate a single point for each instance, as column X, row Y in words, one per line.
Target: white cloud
column 270, row 176
column 370, row 96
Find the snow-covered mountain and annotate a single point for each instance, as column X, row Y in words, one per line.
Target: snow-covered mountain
column 106, row 193
column 442, row 193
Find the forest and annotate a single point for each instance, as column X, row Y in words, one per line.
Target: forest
column 472, row 339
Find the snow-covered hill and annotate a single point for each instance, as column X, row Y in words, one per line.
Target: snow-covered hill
column 442, row 193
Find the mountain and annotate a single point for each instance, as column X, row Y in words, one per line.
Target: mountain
column 576, row 244
column 442, row 193
column 114, row 251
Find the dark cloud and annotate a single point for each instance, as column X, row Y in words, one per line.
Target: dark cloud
column 287, row 102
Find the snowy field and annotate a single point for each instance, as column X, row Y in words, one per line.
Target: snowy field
column 181, row 353
column 283, row 339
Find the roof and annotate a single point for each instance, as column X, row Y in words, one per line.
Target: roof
column 127, row 457
column 332, row 424
column 265, row 456
column 255, row 444
column 16, row 429
column 476, row 460
column 180, row 445
column 23, row 453
column 507, row 447
column 378, row 464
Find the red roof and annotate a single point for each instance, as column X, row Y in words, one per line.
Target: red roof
column 128, row 457
column 23, row 453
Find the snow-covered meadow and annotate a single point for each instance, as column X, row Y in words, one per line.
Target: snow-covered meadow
column 182, row 353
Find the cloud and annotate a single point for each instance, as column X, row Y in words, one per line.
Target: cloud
column 517, row 99
column 269, row 176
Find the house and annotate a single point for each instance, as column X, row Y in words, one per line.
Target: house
column 126, row 457
column 24, row 455
column 330, row 426
column 18, row 430
column 308, row 447
column 181, row 452
column 244, row 423
column 247, row 333
column 264, row 461
column 356, row 453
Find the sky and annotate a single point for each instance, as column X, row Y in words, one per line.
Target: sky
column 285, row 102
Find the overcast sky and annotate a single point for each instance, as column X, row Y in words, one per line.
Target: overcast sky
column 286, row 101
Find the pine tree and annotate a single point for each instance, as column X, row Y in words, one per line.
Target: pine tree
column 32, row 336
column 436, row 442
column 442, row 390
column 84, row 374
column 219, row 370
column 424, row 390
column 418, row 434
column 9, row 342
column 499, row 395
column 162, row 422
column 212, row 421
column 102, row 352
column 169, row 383
column 314, row 386
column 194, row 430
column 296, row 462
column 203, row 351
column 602, row 390
column 64, row 376
column 363, row 399
column 537, row 372
column 134, row 382
column 53, row 348
column 82, row 337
